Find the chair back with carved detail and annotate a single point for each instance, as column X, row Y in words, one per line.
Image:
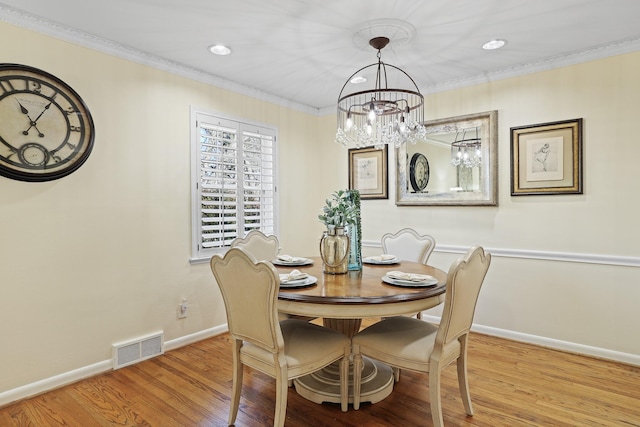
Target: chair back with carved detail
column 408, row 245
column 258, row 245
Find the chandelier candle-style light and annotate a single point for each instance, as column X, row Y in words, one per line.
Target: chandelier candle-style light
column 381, row 115
column 466, row 152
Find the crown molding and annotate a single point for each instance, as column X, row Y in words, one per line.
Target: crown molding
column 31, row 22
column 571, row 58
column 34, row 23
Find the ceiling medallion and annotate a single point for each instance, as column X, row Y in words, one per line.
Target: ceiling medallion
column 398, row 32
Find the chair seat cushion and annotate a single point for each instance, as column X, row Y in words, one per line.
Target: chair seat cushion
column 400, row 341
column 302, row 341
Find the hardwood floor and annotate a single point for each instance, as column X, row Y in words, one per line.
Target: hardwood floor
column 512, row 384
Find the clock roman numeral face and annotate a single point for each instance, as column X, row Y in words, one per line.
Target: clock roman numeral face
column 46, row 131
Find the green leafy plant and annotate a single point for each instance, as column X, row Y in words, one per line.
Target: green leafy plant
column 339, row 211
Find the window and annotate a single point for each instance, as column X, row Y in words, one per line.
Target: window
column 233, row 177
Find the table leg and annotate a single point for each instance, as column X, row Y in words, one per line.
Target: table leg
column 349, row 327
column 324, row 385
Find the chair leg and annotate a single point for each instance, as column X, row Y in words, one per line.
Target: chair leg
column 236, row 388
column 357, row 377
column 282, row 389
column 462, row 376
column 396, row 374
column 344, row 382
column 434, row 395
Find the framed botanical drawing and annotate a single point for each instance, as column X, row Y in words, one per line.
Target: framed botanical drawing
column 368, row 172
column 546, row 158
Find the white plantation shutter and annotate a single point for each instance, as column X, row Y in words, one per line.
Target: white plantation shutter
column 258, row 187
column 219, row 185
column 234, row 164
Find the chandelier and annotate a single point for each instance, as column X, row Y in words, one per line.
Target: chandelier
column 381, row 116
column 466, row 152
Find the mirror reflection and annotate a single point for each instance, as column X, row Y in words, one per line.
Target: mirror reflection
column 455, row 165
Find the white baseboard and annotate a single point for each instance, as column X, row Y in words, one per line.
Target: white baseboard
column 601, row 353
column 54, row 382
column 63, row 379
column 195, row 337
column 57, row 381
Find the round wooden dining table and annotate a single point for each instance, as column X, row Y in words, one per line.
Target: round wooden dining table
column 342, row 301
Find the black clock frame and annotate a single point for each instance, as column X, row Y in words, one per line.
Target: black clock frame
column 412, row 172
column 34, row 80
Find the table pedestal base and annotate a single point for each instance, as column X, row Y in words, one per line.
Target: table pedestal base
column 324, row 385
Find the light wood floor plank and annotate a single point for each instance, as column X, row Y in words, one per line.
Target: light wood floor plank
column 512, row 384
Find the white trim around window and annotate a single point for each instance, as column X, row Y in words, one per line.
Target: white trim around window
column 233, row 181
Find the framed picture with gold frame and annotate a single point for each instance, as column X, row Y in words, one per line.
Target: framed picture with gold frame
column 368, row 172
column 546, row 158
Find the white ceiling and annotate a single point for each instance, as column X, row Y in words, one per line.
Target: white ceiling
column 301, row 52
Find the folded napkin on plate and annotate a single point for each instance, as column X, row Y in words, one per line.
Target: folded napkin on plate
column 289, row 258
column 413, row 277
column 294, row 275
column 383, row 257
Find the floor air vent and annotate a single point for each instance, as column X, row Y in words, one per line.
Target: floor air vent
column 135, row 351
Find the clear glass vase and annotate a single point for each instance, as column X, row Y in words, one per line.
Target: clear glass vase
column 355, row 251
column 334, row 251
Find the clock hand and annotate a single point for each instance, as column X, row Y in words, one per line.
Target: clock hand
column 40, row 115
column 23, row 110
column 32, row 123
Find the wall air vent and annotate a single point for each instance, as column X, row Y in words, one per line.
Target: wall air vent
column 135, row 351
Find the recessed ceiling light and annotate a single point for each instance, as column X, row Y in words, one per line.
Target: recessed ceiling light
column 219, row 49
column 494, row 44
column 358, row 79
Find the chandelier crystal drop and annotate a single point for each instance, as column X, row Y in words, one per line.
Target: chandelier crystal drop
column 381, row 116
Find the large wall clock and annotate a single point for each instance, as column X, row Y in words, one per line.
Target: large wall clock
column 419, row 172
column 46, row 130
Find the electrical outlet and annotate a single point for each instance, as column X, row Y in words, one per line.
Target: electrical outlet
column 183, row 309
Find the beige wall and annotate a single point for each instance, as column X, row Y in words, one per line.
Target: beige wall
column 578, row 302
column 102, row 255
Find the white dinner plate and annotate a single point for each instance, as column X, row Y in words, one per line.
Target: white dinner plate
column 300, row 283
column 295, row 263
column 370, row 260
column 409, row 283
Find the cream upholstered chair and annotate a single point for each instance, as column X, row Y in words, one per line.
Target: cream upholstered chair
column 284, row 350
column 408, row 245
column 259, row 245
column 414, row 344
column 262, row 248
